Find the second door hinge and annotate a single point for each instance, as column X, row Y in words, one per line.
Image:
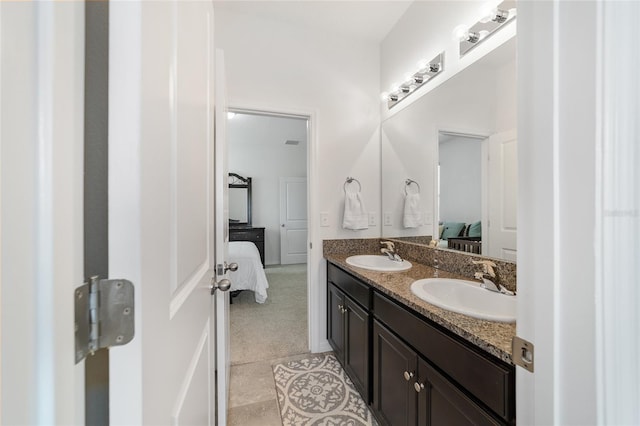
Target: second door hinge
column 104, row 315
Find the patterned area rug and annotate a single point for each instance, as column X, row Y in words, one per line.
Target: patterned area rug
column 316, row 391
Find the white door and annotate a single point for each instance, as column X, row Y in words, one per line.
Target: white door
column 293, row 220
column 161, row 209
column 41, row 230
column 502, row 195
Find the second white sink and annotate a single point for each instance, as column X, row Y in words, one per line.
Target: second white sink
column 378, row 263
column 466, row 297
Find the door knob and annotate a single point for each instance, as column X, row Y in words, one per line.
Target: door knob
column 230, row 267
column 222, row 285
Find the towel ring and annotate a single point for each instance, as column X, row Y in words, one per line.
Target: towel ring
column 351, row 180
column 407, row 183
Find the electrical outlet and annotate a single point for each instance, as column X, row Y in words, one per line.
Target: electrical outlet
column 387, row 219
column 324, row 219
column 372, row 218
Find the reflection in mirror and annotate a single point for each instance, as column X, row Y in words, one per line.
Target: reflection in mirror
column 479, row 101
column 239, row 200
column 459, row 182
column 238, row 205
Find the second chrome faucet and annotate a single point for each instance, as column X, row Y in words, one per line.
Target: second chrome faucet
column 487, row 275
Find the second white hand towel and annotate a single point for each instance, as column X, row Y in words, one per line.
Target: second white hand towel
column 412, row 216
column 355, row 214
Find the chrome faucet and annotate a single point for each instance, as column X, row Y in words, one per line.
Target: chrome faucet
column 389, row 250
column 487, row 275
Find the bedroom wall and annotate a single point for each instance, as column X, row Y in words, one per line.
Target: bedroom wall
column 257, row 149
column 277, row 66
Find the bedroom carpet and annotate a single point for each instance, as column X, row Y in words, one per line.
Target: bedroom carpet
column 277, row 328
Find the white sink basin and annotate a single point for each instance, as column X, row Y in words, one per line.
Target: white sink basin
column 466, row 297
column 378, row 263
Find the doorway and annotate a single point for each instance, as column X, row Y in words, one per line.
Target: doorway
column 272, row 150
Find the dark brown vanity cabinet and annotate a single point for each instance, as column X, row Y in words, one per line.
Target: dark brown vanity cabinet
column 348, row 326
column 421, row 374
column 394, row 367
column 409, row 391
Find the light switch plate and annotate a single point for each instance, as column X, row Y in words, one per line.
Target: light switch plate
column 387, row 219
column 372, row 218
column 324, row 219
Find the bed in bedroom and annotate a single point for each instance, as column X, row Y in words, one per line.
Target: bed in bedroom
column 250, row 274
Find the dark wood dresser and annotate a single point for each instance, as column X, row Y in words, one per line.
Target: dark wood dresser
column 248, row 233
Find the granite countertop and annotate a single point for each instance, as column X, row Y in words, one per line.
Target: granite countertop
column 493, row 337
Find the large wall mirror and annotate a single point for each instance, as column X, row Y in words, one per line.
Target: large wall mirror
column 458, row 144
column 239, row 200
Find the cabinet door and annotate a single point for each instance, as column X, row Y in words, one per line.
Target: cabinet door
column 394, row 369
column 356, row 355
column 335, row 320
column 442, row 403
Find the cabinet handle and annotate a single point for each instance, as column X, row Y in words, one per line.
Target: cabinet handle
column 408, row 376
column 418, row 386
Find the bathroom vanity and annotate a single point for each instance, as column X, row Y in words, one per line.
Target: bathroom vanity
column 412, row 362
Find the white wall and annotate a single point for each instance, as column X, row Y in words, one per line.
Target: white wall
column 460, row 179
column 422, row 33
column 277, row 66
column 257, row 149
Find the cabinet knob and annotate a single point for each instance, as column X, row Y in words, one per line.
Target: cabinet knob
column 418, row 386
column 408, row 376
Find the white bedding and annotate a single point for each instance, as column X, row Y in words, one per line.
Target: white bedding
column 250, row 274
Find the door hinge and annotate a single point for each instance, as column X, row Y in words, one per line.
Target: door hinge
column 104, row 315
column 522, row 353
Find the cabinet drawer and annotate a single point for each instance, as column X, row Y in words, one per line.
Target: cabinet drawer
column 491, row 382
column 245, row 236
column 350, row 285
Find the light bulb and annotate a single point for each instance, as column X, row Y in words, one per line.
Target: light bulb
column 488, row 14
column 461, row 32
column 384, row 96
column 408, row 81
column 422, row 66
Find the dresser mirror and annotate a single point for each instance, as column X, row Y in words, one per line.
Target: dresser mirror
column 239, row 200
column 424, row 142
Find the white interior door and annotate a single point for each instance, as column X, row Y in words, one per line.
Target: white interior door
column 503, row 195
column 161, row 208
column 293, row 220
column 41, row 230
column 223, row 357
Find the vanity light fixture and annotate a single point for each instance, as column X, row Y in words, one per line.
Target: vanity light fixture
column 492, row 21
column 412, row 81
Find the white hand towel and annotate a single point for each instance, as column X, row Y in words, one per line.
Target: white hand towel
column 355, row 214
column 412, row 216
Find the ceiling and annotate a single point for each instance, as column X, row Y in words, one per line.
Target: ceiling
column 365, row 20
